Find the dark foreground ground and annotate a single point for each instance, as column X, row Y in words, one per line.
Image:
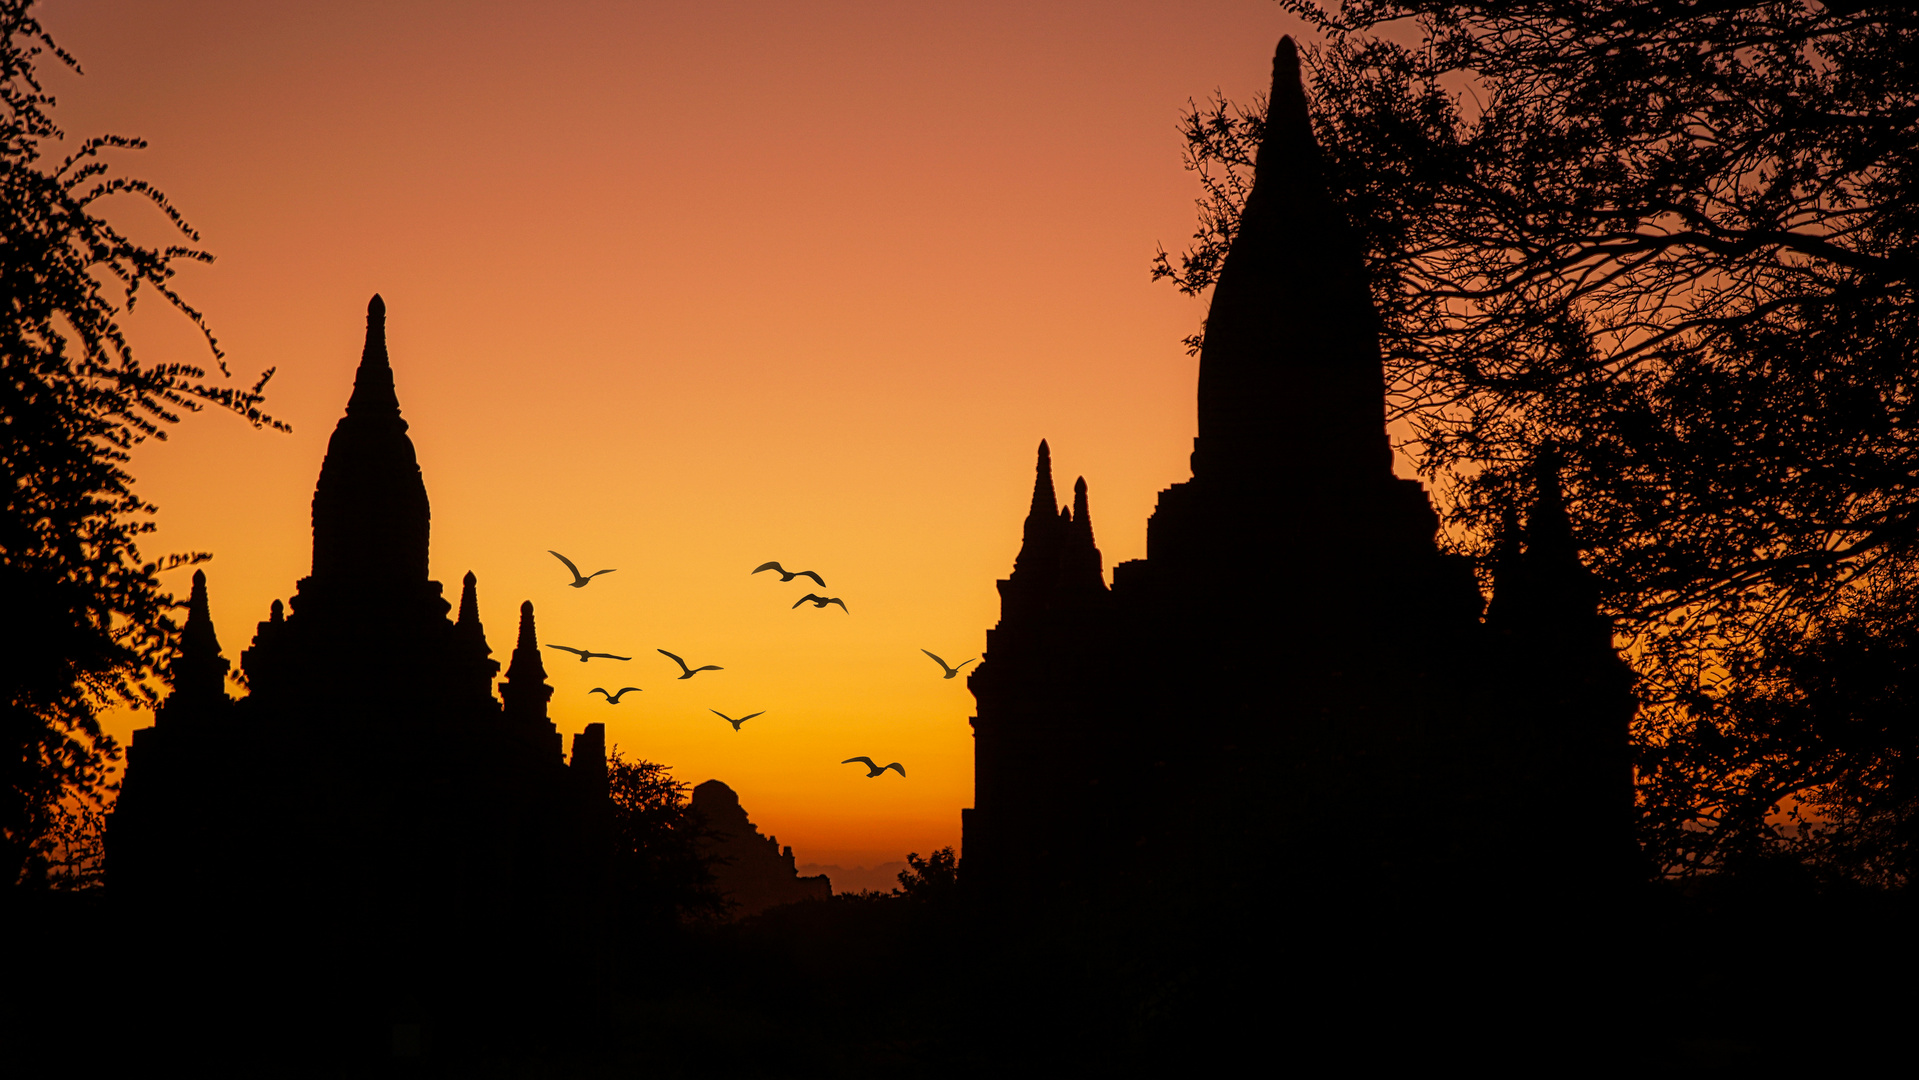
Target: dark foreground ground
column 1764, row 977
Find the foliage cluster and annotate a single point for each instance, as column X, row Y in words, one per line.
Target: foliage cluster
column 932, row 880
column 659, row 877
column 1675, row 241
column 92, row 621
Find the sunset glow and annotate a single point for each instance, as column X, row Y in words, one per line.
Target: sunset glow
column 679, row 290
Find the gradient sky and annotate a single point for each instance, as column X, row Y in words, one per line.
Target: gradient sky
column 679, row 289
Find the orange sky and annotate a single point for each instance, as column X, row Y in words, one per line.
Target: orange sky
column 679, row 289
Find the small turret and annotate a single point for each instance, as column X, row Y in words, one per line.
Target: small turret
column 199, row 673
column 474, row 654
column 1085, row 568
column 525, row 690
column 1546, row 592
column 1039, row 548
column 470, row 604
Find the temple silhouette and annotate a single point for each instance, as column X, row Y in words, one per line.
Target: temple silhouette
column 1297, row 689
column 752, row 872
column 370, row 806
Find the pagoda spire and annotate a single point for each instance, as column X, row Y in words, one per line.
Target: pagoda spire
column 373, row 394
column 1086, row 566
column 470, row 636
column 1045, row 503
column 470, row 604
column 370, row 513
column 1291, row 387
column 199, row 673
column 1549, row 529
column 1041, row 542
column 525, row 690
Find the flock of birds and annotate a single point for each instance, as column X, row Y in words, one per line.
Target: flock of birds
column 613, row 697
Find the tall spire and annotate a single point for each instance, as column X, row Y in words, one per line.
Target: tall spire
column 1085, row 567
column 471, row 638
column 370, row 511
column 525, row 690
column 1045, row 503
column 373, row 394
column 1547, row 593
column 469, row 601
column 1549, row 529
column 1291, row 390
column 1041, row 542
column 199, row 673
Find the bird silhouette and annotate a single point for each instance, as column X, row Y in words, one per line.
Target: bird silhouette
column 821, row 601
column 736, row 723
column 584, row 655
column 948, row 668
column 614, row 699
column 690, row 672
column 874, row 770
column 579, row 581
column 788, row 575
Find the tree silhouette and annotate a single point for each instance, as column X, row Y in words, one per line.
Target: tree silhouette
column 90, row 619
column 659, row 878
column 934, row 879
column 1675, row 243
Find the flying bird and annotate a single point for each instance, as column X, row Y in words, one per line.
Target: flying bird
column 820, row 601
column 874, row 770
column 614, row 699
column 690, row 672
column 948, row 668
column 584, row 655
column 786, row 575
column 579, row 580
column 736, row 723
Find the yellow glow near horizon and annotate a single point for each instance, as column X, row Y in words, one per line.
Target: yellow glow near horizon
column 680, row 292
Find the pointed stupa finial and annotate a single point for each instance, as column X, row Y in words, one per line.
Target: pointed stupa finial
column 1045, row 504
column 1508, row 569
column 373, row 383
column 371, row 519
column 199, row 673
column 1086, row 565
column 1040, row 540
column 469, row 601
column 528, row 641
column 525, row 690
column 1292, row 324
column 1549, row 531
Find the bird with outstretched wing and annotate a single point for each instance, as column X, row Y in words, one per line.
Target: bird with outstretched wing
column 874, row 770
column 579, row 580
column 944, row 666
column 586, row 655
column 736, row 723
column 788, row 575
column 690, row 671
column 614, row 699
column 820, row 601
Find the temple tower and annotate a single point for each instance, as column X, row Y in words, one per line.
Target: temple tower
column 370, row 513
